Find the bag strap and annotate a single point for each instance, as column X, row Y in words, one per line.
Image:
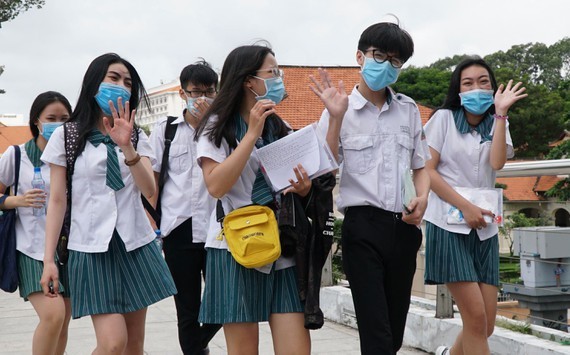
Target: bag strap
column 18, row 158
column 169, row 133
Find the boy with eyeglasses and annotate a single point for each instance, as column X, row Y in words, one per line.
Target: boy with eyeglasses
column 185, row 205
column 379, row 139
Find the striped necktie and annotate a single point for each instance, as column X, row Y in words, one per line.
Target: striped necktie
column 114, row 179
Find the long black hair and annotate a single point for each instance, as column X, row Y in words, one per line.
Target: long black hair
column 40, row 103
column 240, row 64
column 87, row 112
column 452, row 100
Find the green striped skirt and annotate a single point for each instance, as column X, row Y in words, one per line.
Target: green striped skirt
column 117, row 281
column 454, row 257
column 235, row 294
column 30, row 273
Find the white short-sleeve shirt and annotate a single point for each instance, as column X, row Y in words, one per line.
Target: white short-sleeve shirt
column 97, row 210
column 30, row 229
column 184, row 194
column 238, row 196
column 464, row 162
column 377, row 147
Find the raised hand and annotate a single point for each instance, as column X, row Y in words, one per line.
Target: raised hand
column 335, row 100
column 506, row 97
column 257, row 116
column 201, row 106
column 123, row 121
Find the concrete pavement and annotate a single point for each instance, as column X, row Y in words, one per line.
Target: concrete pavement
column 18, row 321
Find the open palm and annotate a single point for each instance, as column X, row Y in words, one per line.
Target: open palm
column 123, row 121
column 335, row 99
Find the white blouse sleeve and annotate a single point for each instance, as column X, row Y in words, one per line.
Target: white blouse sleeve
column 54, row 152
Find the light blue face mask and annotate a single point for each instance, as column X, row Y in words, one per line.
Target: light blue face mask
column 48, row 128
column 108, row 91
column 190, row 103
column 274, row 89
column 378, row 75
column 477, row 101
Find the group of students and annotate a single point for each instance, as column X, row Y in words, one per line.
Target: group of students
column 116, row 270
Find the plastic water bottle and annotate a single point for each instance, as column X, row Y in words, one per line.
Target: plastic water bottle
column 158, row 239
column 39, row 183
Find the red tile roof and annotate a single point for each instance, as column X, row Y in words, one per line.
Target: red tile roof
column 529, row 188
column 302, row 106
column 11, row 135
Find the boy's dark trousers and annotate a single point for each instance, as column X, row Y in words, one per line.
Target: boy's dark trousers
column 187, row 263
column 379, row 258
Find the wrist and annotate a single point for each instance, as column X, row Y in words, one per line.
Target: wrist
column 501, row 117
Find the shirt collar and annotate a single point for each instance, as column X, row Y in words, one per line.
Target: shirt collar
column 358, row 101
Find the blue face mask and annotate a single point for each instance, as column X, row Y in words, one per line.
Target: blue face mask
column 48, row 128
column 190, row 103
column 108, row 91
column 477, row 101
column 378, row 75
column 274, row 89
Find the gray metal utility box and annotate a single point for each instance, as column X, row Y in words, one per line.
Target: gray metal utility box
column 544, row 255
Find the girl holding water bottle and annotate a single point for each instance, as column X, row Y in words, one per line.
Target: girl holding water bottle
column 49, row 110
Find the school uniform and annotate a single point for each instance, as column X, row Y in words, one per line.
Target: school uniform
column 186, row 207
column 30, row 229
column 456, row 252
column 232, row 292
column 114, row 266
column 377, row 147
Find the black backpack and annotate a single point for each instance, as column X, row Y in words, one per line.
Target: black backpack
column 169, row 133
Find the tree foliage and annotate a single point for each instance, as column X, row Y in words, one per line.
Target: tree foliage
column 561, row 189
column 10, row 9
column 425, row 85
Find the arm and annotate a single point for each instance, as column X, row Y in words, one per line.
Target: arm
column 504, row 99
column 473, row 215
column 336, row 103
column 54, row 221
column 220, row 177
column 31, row 198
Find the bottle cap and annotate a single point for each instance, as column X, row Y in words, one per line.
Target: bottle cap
column 37, row 169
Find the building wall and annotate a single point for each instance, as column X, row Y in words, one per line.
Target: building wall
column 164, row 101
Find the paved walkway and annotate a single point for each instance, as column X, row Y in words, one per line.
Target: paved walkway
column 18, row 321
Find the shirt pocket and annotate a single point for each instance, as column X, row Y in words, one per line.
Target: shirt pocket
column 358, row 153
column 404, row 150
column 179, row 161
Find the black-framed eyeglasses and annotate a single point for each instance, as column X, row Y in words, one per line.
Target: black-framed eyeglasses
column 211, row 92
column 276, row 72
column 381, row 57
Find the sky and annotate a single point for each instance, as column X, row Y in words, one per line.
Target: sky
column 51, row 48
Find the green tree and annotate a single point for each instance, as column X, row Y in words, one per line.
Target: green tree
column 561, row 189
column 425, row 85
column 516, row 220
column 10, row 9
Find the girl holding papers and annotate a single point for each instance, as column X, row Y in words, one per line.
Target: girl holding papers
column 469, row 141
column 241, row 119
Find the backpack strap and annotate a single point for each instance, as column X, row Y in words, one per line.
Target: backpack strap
column 169, row 133
column 18, row 158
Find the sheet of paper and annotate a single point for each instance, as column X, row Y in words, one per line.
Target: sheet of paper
column 301, row 147
column 488, row 199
